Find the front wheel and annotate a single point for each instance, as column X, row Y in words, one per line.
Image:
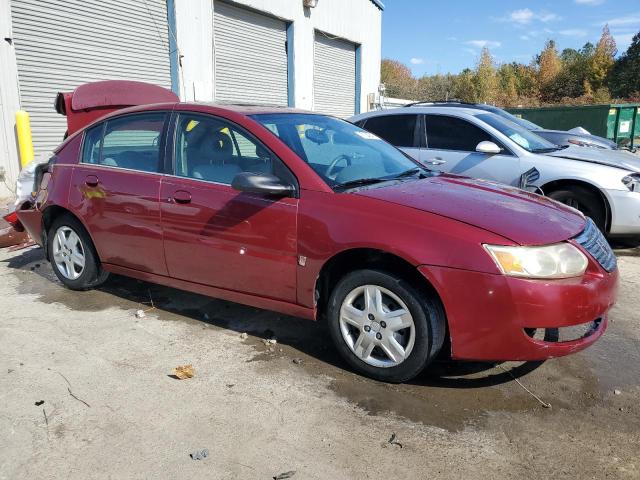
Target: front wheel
column 383, row 326
column 584, row 200
column 73, row 256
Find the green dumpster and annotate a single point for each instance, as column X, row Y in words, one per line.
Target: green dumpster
column 617, row 122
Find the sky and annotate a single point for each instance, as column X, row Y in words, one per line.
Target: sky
column 446, row 36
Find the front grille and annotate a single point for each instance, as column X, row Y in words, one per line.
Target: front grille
column 594, row 242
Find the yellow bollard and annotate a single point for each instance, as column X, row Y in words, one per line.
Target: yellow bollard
column 25, row 143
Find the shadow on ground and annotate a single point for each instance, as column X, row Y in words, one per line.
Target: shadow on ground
column 449, row 394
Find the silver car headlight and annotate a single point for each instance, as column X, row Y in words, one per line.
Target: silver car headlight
column 560, row 260
column 632, row 182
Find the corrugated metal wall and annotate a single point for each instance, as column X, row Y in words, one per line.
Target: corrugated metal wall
column 62, row 44
column 250, row 56
column 334, row 76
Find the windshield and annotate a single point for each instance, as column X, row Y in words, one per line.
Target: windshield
column 523, row 137
column 341, row 153
column 520, row 121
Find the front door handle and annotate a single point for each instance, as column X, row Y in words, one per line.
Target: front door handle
column 182, row 196
column 91, row 181
column 435, row 161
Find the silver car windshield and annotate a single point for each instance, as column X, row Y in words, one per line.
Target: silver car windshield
column 344, row 155
column 520, row 135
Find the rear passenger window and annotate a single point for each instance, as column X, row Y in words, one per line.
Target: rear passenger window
column 451, row 133
column 398, row 130
column 131, row 142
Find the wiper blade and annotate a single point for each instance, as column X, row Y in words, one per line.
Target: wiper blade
column 408, row 173
column 547, row 150
column 359, row 183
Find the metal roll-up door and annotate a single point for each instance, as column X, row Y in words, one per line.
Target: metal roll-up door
column 62, row 44
column 334, row 76
column 250, row 56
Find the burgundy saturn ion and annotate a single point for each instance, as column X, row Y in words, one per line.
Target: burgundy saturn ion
column 311, row 216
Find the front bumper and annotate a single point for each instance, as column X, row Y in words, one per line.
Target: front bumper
column 625, row 212
column 489, row 315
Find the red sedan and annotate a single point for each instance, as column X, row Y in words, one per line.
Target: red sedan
column 311, row 216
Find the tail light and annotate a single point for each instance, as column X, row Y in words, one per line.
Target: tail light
column 12, row 219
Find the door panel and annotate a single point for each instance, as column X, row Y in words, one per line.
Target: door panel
column 121, row 210
column 227, row 239
column 500, row 168
column 451, row 143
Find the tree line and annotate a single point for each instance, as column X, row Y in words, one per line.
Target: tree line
column 591, row 74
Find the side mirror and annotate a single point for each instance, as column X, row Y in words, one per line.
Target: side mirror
column 489, row 148
column 262, row 183
column 316, row 135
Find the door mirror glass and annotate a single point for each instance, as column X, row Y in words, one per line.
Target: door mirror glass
column 262, row 183
column 487, row 147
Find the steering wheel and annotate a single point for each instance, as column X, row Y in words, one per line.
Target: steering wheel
column 332, row 166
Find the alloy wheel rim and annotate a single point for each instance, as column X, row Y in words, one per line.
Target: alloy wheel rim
column 377, row 326
column 68, row 253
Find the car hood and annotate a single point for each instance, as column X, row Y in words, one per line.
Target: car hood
column 613, row 158
column 586, row 136
column 519, row 216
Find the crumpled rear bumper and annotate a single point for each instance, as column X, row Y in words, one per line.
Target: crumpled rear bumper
column 491, row 316
column 31, row 220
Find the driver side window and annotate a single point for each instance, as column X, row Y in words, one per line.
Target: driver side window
column 213, row 150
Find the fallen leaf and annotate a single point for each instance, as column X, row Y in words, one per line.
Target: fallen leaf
column 184, row 371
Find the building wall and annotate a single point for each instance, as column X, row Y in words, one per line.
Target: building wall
column 9, row 104
column 359, row 21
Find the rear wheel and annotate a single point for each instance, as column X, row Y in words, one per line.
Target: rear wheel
column 383, row 326
column 585, row 200
column 73, row 256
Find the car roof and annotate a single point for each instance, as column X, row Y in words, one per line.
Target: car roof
column 457, row 110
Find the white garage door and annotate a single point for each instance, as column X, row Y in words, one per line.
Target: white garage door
column 334, row 76
column 61, row 44
column 250, row 56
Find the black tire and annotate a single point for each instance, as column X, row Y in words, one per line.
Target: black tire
column 428, row 317
column 92, row 274
column 585, row 200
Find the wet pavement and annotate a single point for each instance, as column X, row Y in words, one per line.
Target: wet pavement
column 460, row 398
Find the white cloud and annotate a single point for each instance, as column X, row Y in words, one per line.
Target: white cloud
column 573, row 32
column 524, row 37
column 524, row 16
column 632, row 20
column 589, row 2
column 416, row 61
column 483, row 43
column 521, row 16
column 623, row 40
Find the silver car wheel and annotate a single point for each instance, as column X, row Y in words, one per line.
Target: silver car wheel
column 377, row 326
column 68, row 253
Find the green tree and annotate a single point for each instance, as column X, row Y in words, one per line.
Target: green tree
column 602, row 61
column 465, row 87
column 398, row 79
column 549, row 67
column 508, row 82
column 485, row 79
column 625, row 76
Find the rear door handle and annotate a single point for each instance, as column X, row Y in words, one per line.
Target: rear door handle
column 182, row 196
column 91, row 181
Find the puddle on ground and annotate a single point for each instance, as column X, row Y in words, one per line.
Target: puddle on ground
column 449, row 395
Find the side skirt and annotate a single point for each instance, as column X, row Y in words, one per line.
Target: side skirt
column 221, row 293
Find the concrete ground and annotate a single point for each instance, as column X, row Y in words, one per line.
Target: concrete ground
column 113, row 410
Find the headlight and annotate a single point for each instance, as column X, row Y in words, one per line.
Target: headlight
column 632, row 182
column 561, row 260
